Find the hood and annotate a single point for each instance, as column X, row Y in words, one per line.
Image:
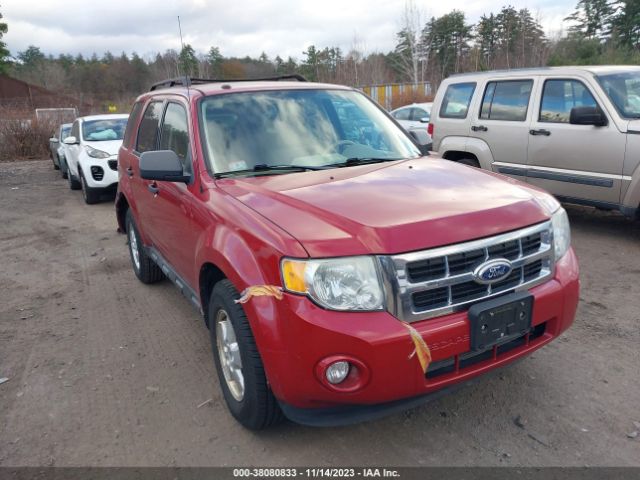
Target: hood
column 391, row 207
column 109, row 146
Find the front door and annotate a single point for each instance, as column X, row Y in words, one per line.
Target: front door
column 573, row 161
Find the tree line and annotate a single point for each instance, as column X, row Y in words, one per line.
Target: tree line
column 599, row 31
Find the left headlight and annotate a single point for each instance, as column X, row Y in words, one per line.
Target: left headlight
column 561, row 232
column 347, row 283
column 95, row 153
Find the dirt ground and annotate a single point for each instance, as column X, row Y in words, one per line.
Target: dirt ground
column 105, row 371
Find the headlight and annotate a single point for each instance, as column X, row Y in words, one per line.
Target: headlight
column 561, row 232
column 95, row 153
column 347, row 283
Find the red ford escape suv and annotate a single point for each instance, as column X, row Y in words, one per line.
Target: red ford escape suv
column 341, row 273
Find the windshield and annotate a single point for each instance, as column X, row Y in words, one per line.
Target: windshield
column 297, row 128
column 107, row 129
column 623, row 90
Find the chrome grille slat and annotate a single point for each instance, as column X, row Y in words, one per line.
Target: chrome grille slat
column 408, row 299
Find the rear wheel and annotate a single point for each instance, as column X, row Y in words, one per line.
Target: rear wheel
column 63, row 168
column 55, row 166
column 90, row 195
column 240, row 369
column 144, row 267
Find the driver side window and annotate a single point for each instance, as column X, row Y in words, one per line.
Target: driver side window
column 560, row 96
column 174, row 133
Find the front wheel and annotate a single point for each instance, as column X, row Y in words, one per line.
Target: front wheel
column 63, row 168
column 74, row 184
column 90, row 195
column 56, row 166
column 238, row 363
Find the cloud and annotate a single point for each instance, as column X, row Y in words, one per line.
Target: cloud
column 238, row 28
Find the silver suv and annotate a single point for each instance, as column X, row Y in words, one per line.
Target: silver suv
column 574, row 131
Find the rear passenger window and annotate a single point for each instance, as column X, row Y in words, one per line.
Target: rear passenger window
column 560, row 96
column 508, row 100
column 175, row 133
column 148, row 131
column 133, row 117
column 403, row 114
column 457, row 98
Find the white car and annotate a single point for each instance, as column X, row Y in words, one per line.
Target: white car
column 413, row 116
column 92, row 154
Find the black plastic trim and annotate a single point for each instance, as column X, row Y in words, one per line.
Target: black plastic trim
column 569, row 178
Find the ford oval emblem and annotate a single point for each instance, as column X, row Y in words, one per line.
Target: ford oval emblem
column 492, row 271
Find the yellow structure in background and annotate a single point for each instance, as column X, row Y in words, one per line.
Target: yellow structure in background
column 384, row 94
column 113, row 109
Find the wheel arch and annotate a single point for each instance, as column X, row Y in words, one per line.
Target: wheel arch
column 456, row 148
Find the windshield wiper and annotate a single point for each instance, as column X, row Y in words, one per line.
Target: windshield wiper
column 262, row 167
column 364, row 160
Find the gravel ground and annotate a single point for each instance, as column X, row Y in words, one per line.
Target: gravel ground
column 105, row 371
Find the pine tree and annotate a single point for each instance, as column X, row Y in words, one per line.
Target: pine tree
column 4, row 52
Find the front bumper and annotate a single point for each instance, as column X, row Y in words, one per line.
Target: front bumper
column 105, row 175
column 382, row 345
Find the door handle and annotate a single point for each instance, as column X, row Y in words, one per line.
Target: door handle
column 153, row 188
column 129, row 172
column 479, row 128
column 541, row 131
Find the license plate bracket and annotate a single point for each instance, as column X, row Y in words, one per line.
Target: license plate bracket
column 499, row 320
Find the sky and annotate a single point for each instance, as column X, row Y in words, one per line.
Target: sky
column 237, row 27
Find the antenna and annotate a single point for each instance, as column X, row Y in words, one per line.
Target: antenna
column 187, row 80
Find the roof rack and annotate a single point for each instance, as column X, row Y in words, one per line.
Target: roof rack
column 188, row 81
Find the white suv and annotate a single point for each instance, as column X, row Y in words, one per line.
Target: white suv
column 574, row 131
column 92, row 154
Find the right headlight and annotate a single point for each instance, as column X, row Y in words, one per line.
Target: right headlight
column 561, row 232
column 347, row 283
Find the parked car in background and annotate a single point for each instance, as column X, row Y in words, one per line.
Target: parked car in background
column 415, row 118
column 574, row 131
column 56, row 145
column 321, row 260
column 92, row 154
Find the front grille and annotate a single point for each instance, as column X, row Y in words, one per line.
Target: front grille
column 113, row 164
column 459, row 363
column 435, row 282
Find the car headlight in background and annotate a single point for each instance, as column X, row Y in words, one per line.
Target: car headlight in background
column 95, row 153
column 347, row 283
column 561, row 232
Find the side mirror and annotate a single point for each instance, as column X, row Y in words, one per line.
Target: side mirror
column 54, row 140
column 70, row 141
column 424, row 120
column 163, row 165
column 422, row 140
column 587, row 116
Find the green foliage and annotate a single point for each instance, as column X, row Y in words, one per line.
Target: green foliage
column 4, row 52
column 188, row 61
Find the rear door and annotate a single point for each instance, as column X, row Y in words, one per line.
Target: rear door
column 502, row 122
column 574, row 161
column 451, row 117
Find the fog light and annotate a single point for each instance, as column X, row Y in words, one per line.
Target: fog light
column 337, row 372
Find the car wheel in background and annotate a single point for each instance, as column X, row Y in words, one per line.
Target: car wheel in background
column 63, row 168
column 238, row 363
column 472, row 162
column 74, row 184
column 55, row 166
column 90, row 195
column 145, row 269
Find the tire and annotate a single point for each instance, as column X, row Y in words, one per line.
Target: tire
column 256, row 408
column 471, row 162
column 90, row 195
column 145, row 269
column 55, row 167
column 74, row 183
column 63, row 168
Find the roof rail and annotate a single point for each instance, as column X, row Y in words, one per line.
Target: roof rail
column 188, row 81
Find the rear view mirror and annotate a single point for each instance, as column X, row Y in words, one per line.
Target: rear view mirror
column 54, row 140
column 424, row 120
column 70, row 141
column 163, row 165
column 422, row 139
column 587, row 116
